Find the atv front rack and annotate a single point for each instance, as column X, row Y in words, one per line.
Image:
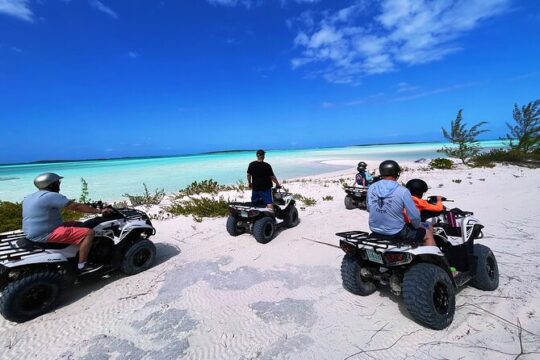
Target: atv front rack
column 358, row 238
column 9, row 249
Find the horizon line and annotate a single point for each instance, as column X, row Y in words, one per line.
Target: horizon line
column 52, row 161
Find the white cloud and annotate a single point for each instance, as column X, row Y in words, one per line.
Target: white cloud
column 17, row 8
column 232, row 3
column 98, row 5
column 434, row 91
column 358, row 40
column 405, row 87
column 133, row 54
column 251, row 3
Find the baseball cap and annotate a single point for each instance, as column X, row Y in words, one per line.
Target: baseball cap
column 261, row 152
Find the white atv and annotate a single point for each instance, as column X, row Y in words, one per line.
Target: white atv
column 33, row 275
column 426, row 276
column 261, row 221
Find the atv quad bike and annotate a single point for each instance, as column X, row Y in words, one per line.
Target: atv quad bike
column 426, row 276
column 257, row 219
column 356, row 197
column 33, row 275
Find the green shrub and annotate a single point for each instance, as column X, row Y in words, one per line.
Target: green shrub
column 524, row 134
column 306, row 200
column 441, row 163
column 464, row 140
column 85, row 195
column 11, row 215
column 328, row 198
column 208, row 186
column 515, row 157
column 240, row 185
column 146, row 198
column 200, row 207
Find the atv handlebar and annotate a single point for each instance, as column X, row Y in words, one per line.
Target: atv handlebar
column 433, row 199
column 100, row 206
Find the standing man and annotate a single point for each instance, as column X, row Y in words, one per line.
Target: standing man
column 386, row 202
column 260, row 177
column 42, row 218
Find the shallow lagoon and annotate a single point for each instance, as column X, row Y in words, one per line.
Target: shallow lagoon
column 109, row 179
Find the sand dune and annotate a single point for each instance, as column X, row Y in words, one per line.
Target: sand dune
column 212, row 296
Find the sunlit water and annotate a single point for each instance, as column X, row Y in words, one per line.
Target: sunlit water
column 109, row 179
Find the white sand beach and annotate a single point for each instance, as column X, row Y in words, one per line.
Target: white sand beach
column 213, row 296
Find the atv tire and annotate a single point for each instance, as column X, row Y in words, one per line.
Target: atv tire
column 349, row 204
column 264, row 229
column 352, row 281
column 30, row 296
column 232, row 226
column 139, row 257
column 487, row 270
column 291, row 217
column 429, row 295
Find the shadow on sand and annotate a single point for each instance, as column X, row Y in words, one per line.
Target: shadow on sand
column 164, row 252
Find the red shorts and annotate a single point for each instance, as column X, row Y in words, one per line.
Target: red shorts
column 68, row 235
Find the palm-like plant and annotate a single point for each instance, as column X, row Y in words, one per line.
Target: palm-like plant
column 524, row 136
column 464, row 140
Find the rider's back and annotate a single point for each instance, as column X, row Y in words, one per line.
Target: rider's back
column 386, row 200
column 42, row 214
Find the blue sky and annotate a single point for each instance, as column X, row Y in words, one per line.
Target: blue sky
column 103, row 78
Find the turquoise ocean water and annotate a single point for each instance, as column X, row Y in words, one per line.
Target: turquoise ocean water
column 109, row 179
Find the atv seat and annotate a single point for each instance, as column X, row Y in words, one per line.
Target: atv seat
column 24, row 243
column 378, row 236
column 395, row 239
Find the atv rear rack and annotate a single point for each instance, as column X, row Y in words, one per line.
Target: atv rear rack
column 358, row 238
column 247, row 205
column 9, row 250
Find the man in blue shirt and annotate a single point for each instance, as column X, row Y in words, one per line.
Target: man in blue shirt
column 386, row 202
column 42, row 218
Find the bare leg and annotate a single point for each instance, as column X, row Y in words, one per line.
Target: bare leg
column 429, row 240
column 86, row 244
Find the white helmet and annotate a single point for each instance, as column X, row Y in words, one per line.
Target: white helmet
column 42, row 181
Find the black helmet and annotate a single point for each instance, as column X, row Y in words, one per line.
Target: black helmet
column 417, row 187
column 361, row 166
column 389, row 168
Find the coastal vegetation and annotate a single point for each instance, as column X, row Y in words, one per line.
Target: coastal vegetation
column 441, row 163
column 85, row 194
column 523, row 139
column 464, row 140
column 524, row 135
column 199, row 207
column 11, row 215
column 308, row 201
column 146, row 198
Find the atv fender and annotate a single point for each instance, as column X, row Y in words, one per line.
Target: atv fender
column 439, row 261
column 41, row 258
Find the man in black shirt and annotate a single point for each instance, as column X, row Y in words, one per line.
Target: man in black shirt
column 260, row 177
